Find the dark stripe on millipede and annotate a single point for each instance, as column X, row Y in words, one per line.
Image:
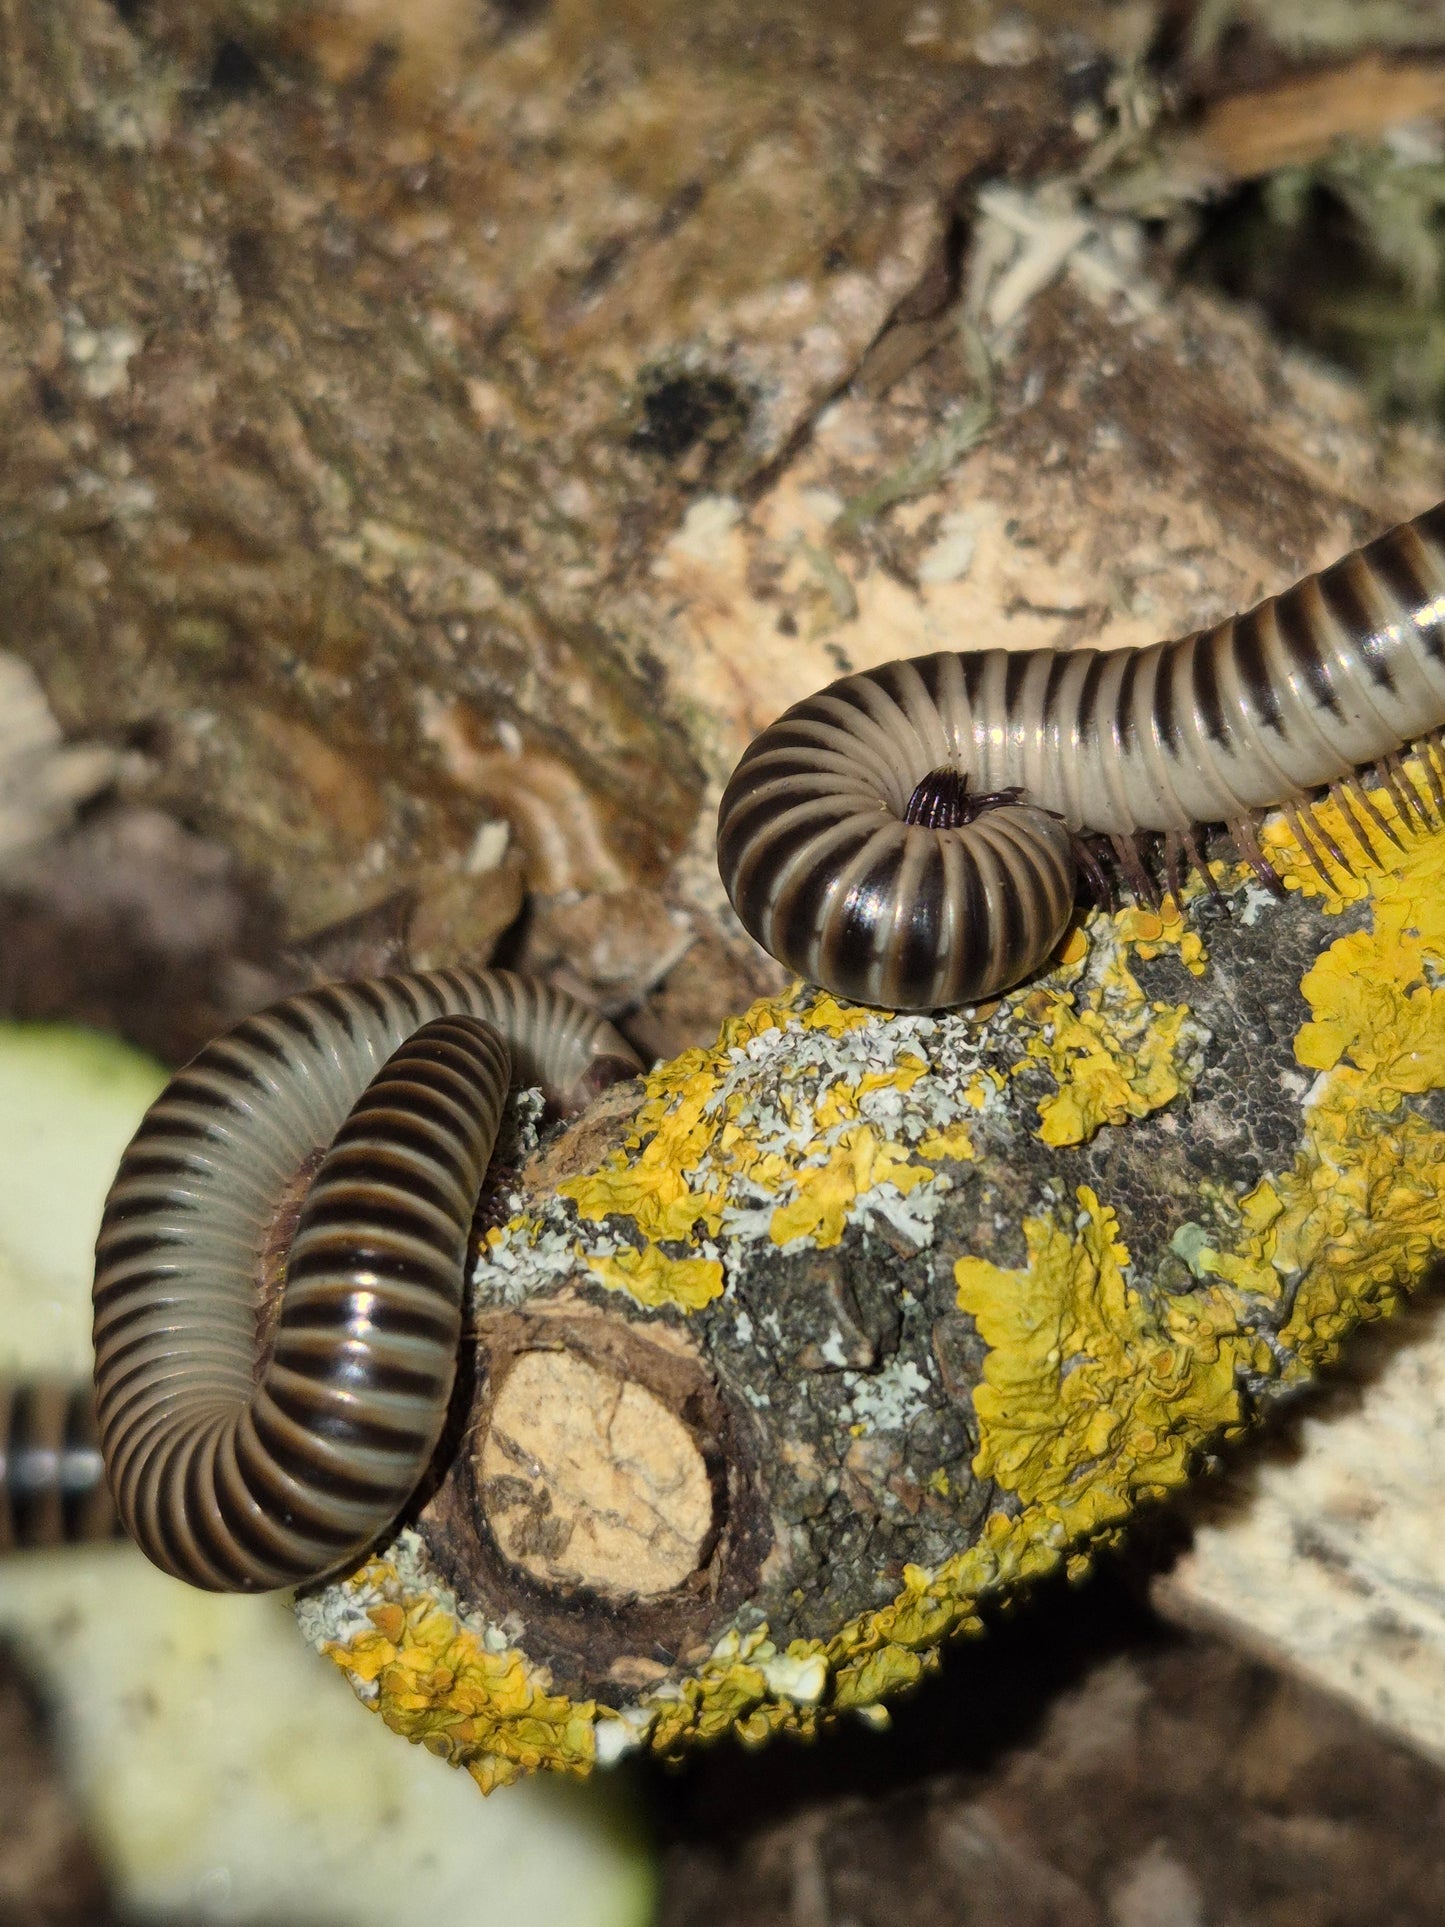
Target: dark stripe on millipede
column 1015, row 924
column 1399, row 569
column 1301, row 643
column 400, row 1145
column 779, row 849
column 1166, row 716
column 164, row 1120
column 1053, row 689
column 1393, row 560
column 1085, row 719
column 919, row 935
column 356, row 1202
column 254, row 1037
column 295, row 1017
column 371, row 997
column 26, row 1497
column 1251, row 663
column 1125, row 728
column 974, row 666
column 434, row 1318
column 307, row 1407
column 443, row 1107
column 1015, row 675
column 1208, row 703
column 930, row 673
column 796, row 917
column 856, row 914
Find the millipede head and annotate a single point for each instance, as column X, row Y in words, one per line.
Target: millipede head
column 942, row 800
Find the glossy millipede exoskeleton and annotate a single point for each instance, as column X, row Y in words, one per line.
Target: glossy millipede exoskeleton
column 911, row 836
column 247, row 1453
column 53, row 1489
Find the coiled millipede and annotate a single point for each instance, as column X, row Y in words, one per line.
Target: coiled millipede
column 912, row 835
column 52, row 1478
column 249, row 1449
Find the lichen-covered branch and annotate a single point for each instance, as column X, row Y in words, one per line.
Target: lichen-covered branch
column 927, row 1306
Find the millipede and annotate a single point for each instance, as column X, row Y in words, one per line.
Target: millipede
column 259, row 1438
column 914, row 836
column 53, row 1489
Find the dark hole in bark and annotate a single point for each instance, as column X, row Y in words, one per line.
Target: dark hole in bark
column 680, row 410
column 234, row 71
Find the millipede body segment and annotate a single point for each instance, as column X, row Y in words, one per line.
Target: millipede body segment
column 53, row 1489
column 246, row 1454
column 909, row 836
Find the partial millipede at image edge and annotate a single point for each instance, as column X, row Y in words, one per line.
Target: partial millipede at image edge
column 911, row 836
column 243, row 1459
column 53, row 1490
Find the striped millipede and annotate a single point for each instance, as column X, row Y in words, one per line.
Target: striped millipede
column 912, row 835
column 246, row 1454
column 52, row 1479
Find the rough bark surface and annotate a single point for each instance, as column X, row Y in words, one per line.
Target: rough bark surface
column 342, row 420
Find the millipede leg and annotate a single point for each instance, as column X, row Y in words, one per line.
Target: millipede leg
column 1407, row 797
column 1136, row 873
column 1293, row 817
column 1197, row 858
column 1174, row 870
column 1357, row 790
column 1344, row 802
column 1093, row 873
column 1321, row 832
column 1430, row 758
column 1428, row 751
column 1241, row 828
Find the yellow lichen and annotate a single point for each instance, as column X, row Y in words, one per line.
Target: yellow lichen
column 1111, row 1051
column 956, row 1143
column 1251, row 1270
column 691, row 1144
column 655, row 1278
column 1091, row 1396
column 823, row 1193
column 434, row 1682
column 1151, row 932
column 1362, row 1212
column 1075, row 948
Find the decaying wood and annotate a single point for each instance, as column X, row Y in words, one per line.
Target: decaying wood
column 343, row 423
column 1299, row 119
